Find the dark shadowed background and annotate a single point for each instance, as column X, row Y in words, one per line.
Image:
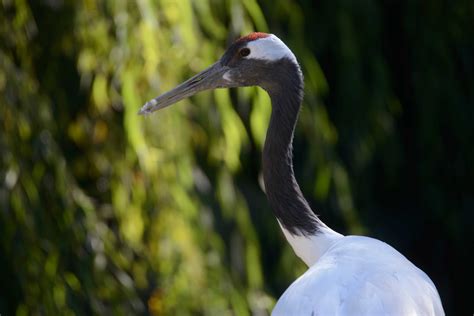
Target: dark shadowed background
column 103, row 211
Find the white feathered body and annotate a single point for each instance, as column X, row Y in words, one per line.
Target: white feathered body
column 361, row 276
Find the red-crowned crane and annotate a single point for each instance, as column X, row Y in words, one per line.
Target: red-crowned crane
column 347, row 275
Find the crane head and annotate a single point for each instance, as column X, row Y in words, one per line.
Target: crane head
column 250, row 61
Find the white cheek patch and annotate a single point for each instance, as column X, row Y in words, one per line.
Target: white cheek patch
column 226, row 76
column 269, row 48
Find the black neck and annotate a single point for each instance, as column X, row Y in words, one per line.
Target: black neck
column 283, row 192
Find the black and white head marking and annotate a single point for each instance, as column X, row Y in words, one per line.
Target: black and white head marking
column 269, row 48
column 252, row 59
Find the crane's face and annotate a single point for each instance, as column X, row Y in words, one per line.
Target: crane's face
column 253, row 59
column 250, row 61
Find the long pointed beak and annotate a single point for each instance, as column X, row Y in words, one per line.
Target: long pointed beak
column 211, row 78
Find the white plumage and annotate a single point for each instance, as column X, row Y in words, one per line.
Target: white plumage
column 360, row 276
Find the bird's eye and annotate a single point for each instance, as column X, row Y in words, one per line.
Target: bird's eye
column 244, row 52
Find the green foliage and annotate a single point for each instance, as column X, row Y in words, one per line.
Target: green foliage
column 106, row 212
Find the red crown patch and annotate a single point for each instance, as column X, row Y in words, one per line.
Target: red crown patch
column 252, row 37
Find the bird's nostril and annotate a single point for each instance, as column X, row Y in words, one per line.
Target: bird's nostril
column 196, row 80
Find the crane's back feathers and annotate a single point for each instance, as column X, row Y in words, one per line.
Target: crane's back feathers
column 361, row 276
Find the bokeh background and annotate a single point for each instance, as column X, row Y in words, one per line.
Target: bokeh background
column 103, row 211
